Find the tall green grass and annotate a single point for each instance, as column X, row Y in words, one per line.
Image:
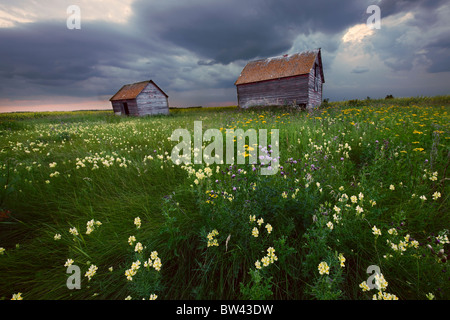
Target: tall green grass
column 60, row 171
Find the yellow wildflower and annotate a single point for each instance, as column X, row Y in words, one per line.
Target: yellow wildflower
column 342, row 260
column 68, row 263
column 265, row 261
column 436, row 195
column 363, row 285
column 131, row 240
column 91, row 272
column 324, row 268
column 376, row 231
column 17, row 296
column 137, row 222
column 139, row 247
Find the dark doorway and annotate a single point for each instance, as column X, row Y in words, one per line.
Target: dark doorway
column 125, row 108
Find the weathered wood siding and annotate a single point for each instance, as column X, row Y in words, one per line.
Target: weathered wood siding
column 284, row 91
column 315, row 96
column 118, row 106
column 152, row 101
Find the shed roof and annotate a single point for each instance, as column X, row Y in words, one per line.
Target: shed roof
column 131, row 91
column 280, row 67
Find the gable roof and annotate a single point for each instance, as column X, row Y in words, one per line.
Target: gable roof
column 280, row 67
column 131, row 91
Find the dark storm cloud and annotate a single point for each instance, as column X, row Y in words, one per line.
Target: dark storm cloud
column 421, row 39
column 57, row 60
column 234, row 30
column 47, row 53
column 390, row 7
column 189, row 46
column 438, row 51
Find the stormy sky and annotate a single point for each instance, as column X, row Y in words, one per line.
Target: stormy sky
column 195, row 50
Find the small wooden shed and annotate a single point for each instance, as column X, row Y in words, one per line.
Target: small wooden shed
column 140, row 99
column 295, row 79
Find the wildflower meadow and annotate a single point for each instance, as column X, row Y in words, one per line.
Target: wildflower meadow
column 93, row 207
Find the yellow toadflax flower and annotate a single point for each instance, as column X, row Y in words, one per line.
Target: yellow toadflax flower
column 384, row 296
column 91, row 272
column 359, row 209
column 392, row 231
column 131, row 240
column 90, row 226
column 271, row 254
column 68, row 263
column 380, row 282
column 157, row 264
column 139, row 247
column 255, row 232
column 323, row 268
column 363, row 285
column 154, row 255
column 265, row 261
column 211, row 241
column 130, row 273
column 436, row 195
column 376, row 231
column 137, row 222
column 341, row 259
column 73, row 231
column 17, row 296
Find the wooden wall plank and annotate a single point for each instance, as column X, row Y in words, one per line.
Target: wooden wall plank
column 152, row 101
column 284, row 91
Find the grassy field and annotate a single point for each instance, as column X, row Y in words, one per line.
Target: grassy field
column 362, row 184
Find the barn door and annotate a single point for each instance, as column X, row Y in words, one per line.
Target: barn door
column 125, row 108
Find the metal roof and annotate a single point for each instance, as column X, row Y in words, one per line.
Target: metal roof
column 280, row 67
column 131, row 91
